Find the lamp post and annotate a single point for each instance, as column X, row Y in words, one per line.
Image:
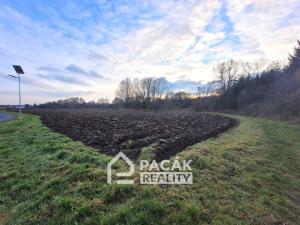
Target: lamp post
column 19, row 71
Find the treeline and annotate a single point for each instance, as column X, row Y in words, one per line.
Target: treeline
column 150, row 93
column 140, row 92
column 220, row 94
column 73, row 103
column 265, row 90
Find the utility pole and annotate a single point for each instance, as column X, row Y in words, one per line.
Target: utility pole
column 19, row 71
column 20, row 102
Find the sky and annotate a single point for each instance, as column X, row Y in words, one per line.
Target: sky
column 84, row 48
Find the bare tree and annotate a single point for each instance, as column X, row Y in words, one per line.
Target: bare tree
column 125, row 90
column 181, row 95
column 74, row 101
column 147, row 86
column 159, row 88
column 103, row 101
column 170, row 95
column 206, row 89
column 227, row 74
column 139, row 92
column 253, row 68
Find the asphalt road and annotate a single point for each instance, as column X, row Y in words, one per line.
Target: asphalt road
column 5, row 117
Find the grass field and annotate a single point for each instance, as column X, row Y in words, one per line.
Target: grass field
column 249, row 175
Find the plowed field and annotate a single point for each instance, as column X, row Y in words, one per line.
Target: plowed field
column 112, row 131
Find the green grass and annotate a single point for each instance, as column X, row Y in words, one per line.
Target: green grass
column 249, row 175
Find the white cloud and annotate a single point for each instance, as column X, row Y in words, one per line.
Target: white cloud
column 161, row 47
column 268, row 28
column 149, row 38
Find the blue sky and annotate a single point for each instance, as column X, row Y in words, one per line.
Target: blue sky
column 84, row 48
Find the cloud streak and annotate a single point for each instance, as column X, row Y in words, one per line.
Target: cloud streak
column 74, row 69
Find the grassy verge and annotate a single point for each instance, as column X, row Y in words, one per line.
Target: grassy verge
column 249, row 175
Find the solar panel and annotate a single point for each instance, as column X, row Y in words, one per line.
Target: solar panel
column 18, row 69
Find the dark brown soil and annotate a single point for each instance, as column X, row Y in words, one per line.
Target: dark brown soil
column 3, row 216
column 112, row 131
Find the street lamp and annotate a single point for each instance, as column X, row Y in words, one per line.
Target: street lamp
column 19, row 71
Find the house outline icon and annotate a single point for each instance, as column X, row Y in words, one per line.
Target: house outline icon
column 120, row 155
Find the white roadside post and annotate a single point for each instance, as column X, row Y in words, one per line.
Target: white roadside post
column 19, row 71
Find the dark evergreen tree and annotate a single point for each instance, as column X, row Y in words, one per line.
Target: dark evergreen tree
column 294, row 59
